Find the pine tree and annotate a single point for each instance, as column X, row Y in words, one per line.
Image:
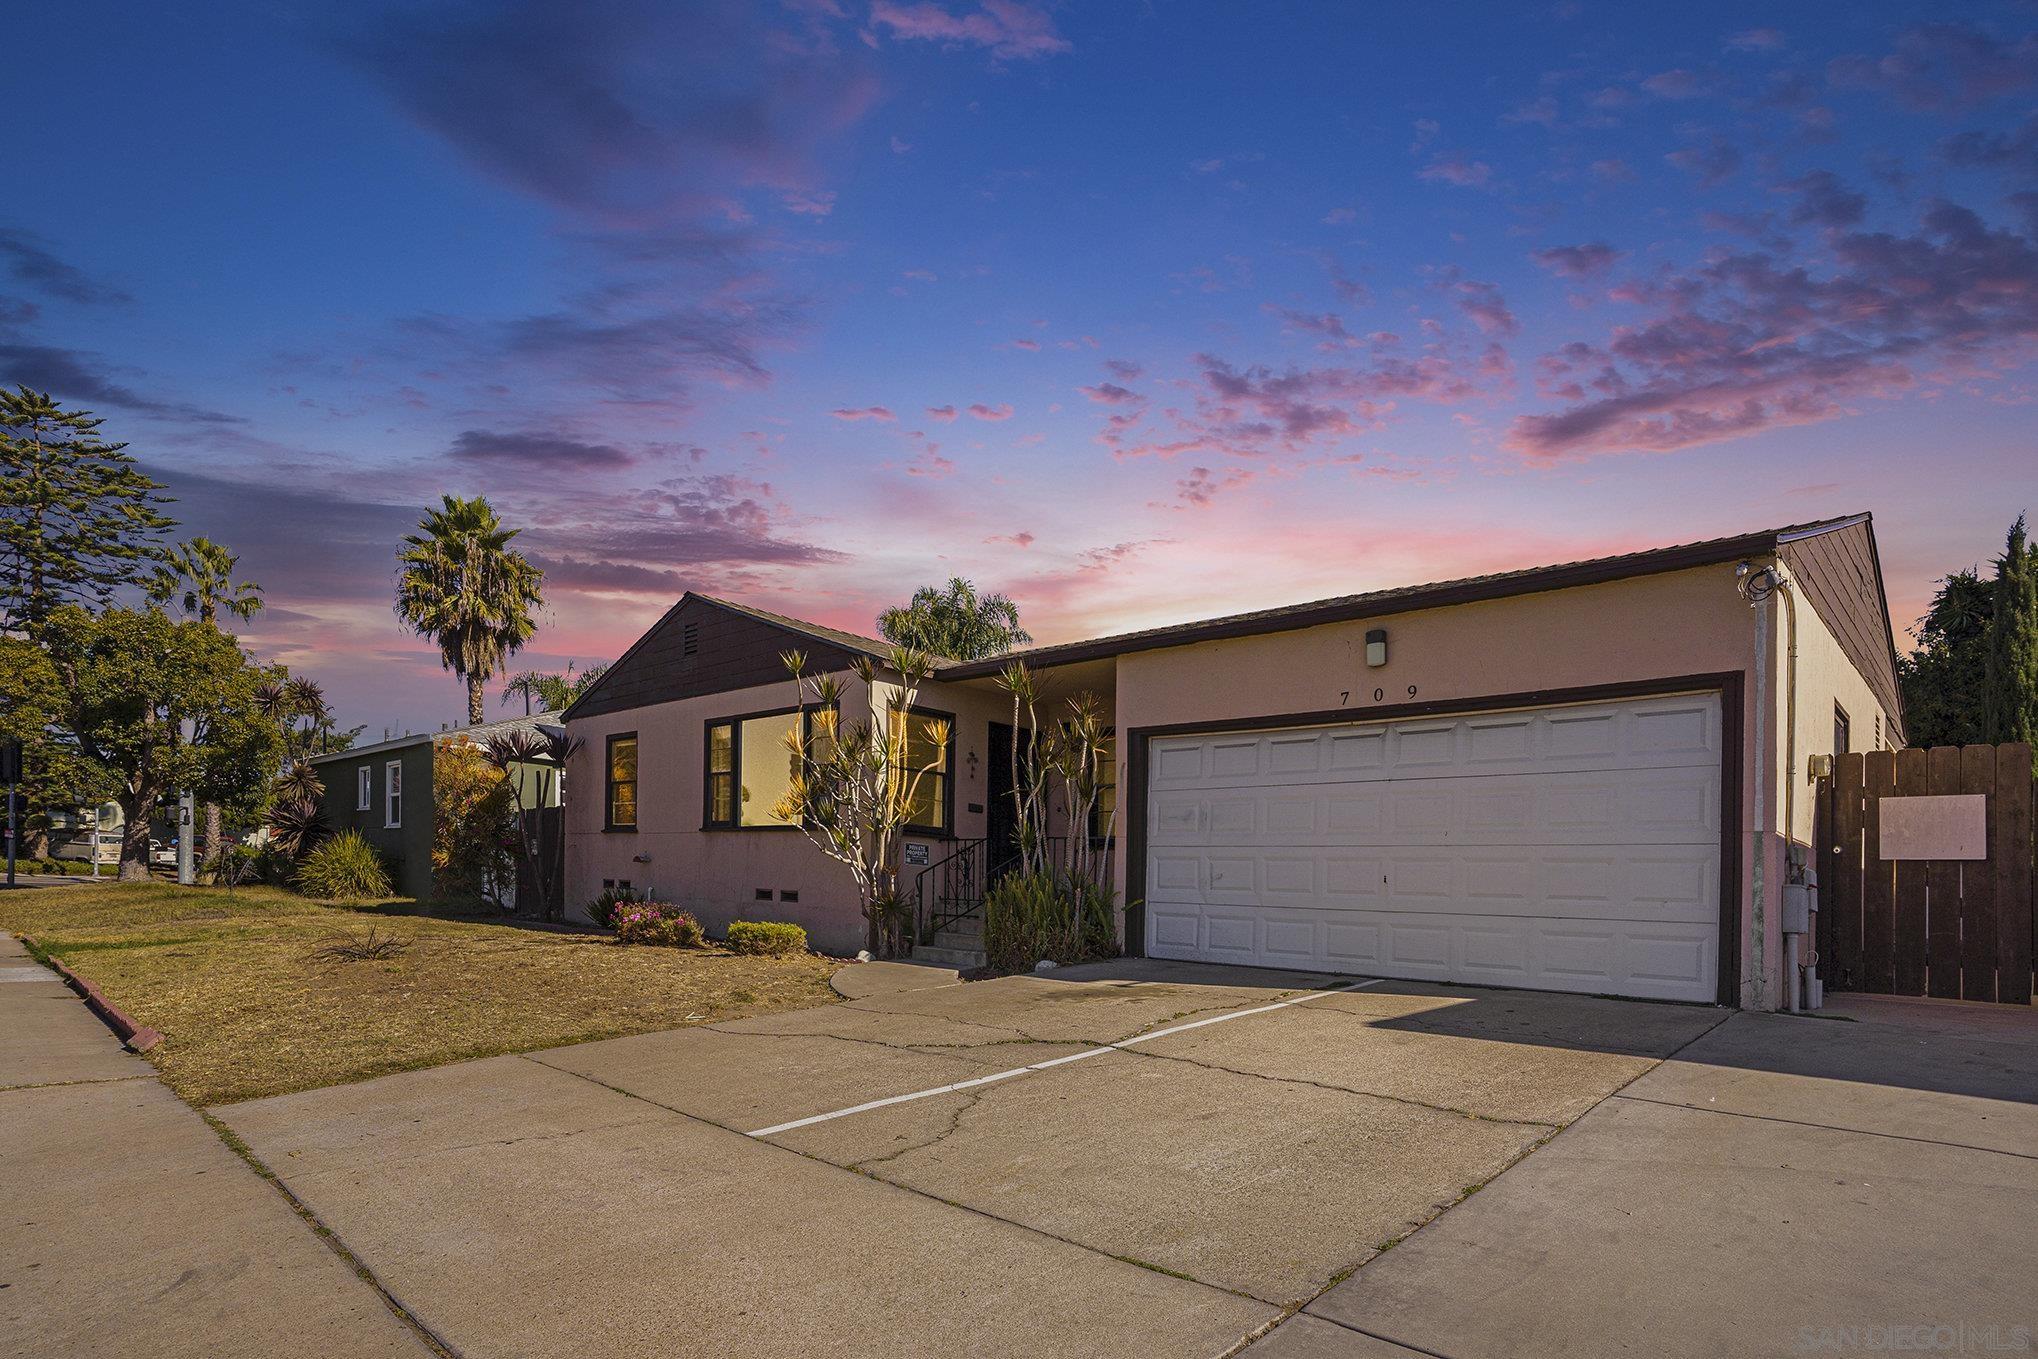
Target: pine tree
column 78, row 520
column 1944, row 678
column 2010, row 695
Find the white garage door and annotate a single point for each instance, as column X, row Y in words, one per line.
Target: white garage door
column 1572, row 848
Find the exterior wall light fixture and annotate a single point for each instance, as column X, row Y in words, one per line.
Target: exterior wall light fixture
column 1376, row 646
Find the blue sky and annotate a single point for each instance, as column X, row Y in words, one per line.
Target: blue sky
column 1138, row 311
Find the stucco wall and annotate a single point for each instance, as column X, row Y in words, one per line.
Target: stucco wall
column 717, row 873
column 1645, row 628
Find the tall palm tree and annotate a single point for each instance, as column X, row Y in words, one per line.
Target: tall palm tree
column 201, row 572
column 464, row 587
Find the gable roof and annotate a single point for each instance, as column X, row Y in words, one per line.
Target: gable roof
column 875, row 648
column 1409, row 598
column 478, row 732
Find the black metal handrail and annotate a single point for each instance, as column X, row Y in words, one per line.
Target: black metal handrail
column 952, row 888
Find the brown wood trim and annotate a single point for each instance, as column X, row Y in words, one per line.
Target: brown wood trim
column 1385, row 604
column 1727, row 684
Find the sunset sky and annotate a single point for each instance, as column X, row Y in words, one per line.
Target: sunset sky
column 1138, row 310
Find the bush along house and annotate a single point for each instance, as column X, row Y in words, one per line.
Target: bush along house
column 1583, row 777
column 385, row 791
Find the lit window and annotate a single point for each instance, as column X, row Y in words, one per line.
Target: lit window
column 621, row 803
column 751, row 765
column 922, row 769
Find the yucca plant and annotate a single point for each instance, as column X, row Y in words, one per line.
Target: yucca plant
column 854, row 785
column 344, row 868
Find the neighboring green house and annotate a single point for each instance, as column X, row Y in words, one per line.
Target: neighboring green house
column 384, row 791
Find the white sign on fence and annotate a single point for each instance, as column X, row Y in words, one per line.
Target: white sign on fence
column 1945, row 827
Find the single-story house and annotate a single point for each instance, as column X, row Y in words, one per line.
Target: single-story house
column 1578, row 777
column 384, row 791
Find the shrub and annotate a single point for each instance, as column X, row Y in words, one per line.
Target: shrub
column 234, row 865
column 1030, row 916
column 602, row 910
column 344, row 868
column 658, row 922
column 773, row 938
column 473, row 828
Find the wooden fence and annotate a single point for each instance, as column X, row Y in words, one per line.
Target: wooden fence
column 1927, row 927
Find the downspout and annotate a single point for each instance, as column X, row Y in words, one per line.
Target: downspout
column 1757, row 933
column 1756, row 585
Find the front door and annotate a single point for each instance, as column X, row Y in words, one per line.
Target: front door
column 1001, row 816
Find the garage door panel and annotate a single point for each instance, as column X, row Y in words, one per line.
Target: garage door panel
column 1675, row 806
column 1575, row 848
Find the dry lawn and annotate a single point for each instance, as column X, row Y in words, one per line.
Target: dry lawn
column 256, row 1000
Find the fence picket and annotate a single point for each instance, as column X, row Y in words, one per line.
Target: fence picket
column 1978, row 941
column 1913, row 880
column 2010, row 836
column 1878, row 880
column 1840, row 884
column 1942, row 889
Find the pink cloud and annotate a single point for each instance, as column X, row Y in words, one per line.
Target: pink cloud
column 1749, row 342
column 881, row 413
column 1020, row 539
column 1578, row 261
column 1111, row 394
column 1756, row 40
column 810, row 202
column 1009, row 29
column 945, row 414
column 1456, row 169
column 983, row 412
column 1030, row 346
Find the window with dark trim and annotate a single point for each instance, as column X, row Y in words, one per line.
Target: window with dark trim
column 750, row 766
column 619, row 801
column 1103, row 824
column 1840, row 730
column 925, row 759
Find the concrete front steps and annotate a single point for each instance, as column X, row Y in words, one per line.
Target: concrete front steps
column 959, row 945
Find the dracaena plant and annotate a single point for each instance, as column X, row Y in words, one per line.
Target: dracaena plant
column 854, row 784
column 1057, row 778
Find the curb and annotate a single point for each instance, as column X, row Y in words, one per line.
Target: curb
column 132, row 1036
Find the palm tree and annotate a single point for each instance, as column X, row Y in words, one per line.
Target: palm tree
column 466, row 589
column 551, row 690
column 955, row 621
column 201, row 571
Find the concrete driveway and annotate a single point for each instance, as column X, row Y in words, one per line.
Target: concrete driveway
column 1141, row 1159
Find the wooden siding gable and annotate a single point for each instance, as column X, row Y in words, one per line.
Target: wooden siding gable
column 700, row 647
column 1841, row 576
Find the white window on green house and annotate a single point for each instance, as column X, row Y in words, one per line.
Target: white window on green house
column 364, row 788
column 392, row 792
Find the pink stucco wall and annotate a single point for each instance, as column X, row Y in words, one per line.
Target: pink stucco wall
column 1647, row 628
column 1650, row 627
column 718, row 874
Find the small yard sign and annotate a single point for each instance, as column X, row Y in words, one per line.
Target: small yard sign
column 916, row 854
column 1938, row 827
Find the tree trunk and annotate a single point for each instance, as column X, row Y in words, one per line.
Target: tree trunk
column 477, row 692
column 134, row 840
column 212, row 833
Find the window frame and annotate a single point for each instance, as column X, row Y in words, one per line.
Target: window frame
column 1843, row 731
column 392, row 795
column 947, row 774
column 735, row 723
column 1110, row 781
column 608, row 783
column 364, row 788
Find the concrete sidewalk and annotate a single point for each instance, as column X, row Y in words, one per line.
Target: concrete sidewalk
column 127, row 1228
column 1783, row 1185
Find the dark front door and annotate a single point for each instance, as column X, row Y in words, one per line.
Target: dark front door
column 1001, row 817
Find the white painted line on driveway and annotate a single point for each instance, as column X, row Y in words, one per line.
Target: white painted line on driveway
column 1051, row 1062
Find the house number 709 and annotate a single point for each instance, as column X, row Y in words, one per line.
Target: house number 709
column 1379, row 695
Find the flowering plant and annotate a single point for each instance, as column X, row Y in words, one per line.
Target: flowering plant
column 657, row 922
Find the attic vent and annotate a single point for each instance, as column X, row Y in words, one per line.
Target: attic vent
column 689, row 638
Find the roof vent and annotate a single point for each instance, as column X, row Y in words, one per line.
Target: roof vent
column 689, row 638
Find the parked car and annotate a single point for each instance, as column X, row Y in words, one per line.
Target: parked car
column 163, row 855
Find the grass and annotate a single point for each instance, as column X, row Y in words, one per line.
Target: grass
column 262, row 992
